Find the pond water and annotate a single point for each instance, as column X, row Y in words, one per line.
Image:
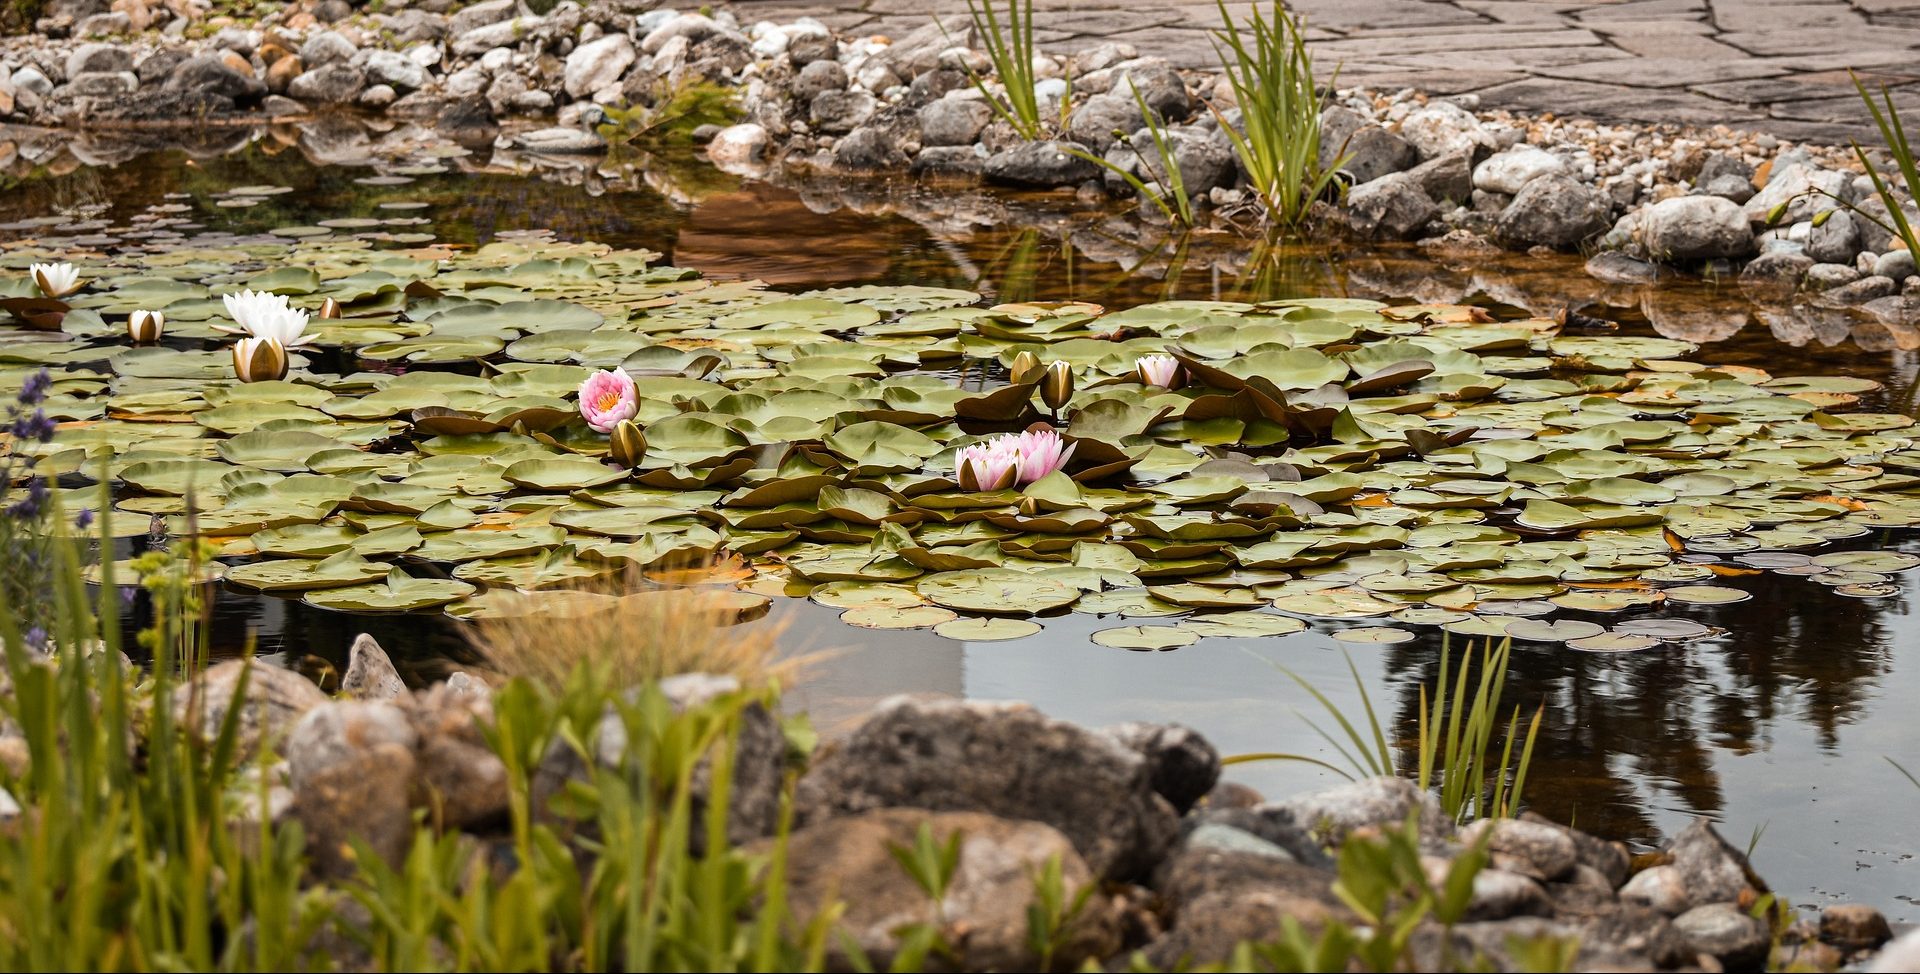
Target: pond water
column 1783, row 727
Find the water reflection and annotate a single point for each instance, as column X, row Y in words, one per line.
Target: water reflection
column 1784, row 721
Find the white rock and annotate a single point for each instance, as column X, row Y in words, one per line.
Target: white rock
column 1442, row 128
column 694, row 27
column 1506, row 172
column 470, row 80
column 391, row 68
column 769, row 41
column 1802, row 184
column 598, row 64
column 32, row 79
column 738, row 148
column 496, row 60
column 425, row 55
column 1903, row 954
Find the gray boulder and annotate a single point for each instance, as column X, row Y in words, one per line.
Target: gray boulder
column 1554, row 211
column 983, row 917
column 1039, row 164
column 1182, row 765
column 1725, row 932
column 1004, row 759
column 88, row 58
column 1859, row 292
column 1371, row 803
column 1099, row 121
column 394, row 70
column 370, row 672
column 101, row 84
column 326, row 47
column 331, row 85
column 840, row 112
column 598, row 64
column 1510, row 170
column 1393, row 207
column 1895, row 264
column 1801, row 187
column 1448, row 177
column 209, row 75
column 869, row 148
column 1775, row 271
column 1688, row 228
column 1836, row 240
column 1442, row 128
column 953, row 121
column 351, row 767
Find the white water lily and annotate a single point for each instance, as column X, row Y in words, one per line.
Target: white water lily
column 259, row 359
column 263, row 314
column 144, row 327
column 56, row 280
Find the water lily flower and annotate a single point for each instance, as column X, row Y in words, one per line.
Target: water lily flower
column 144, row 327
column 1041, row 452
column 627, row 444
column 330, row 309
column 1157, row 370
column 988, row 466
column 1056, row 386
column 56, row 280
column 606, row 398
column 263, row 314
column 259, row 359
column 1024, row 368
column 1012, row 459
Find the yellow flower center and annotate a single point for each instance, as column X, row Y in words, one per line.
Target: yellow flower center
column 607, row 401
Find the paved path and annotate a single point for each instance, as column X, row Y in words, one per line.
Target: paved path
column 1777, row 66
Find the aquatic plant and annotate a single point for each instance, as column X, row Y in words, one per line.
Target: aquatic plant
column 1157, row 370
column 669, row 114
column 1454, row 751
column 1893, row 136
column 1277, row 138
column 607, row 399
column 1012, row 459
column 268, row 316
column 23, row 506
column 1168, row 193
column 145, row 327
column 259, row 360
column 1011, row 49
column 56, row 280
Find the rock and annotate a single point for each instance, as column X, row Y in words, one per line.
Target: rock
column 1616, row 267
column 32, row 79
column 738, row 148
column 1799, row 186
column 1725, row 932
column 1711, row 869
column 280, row 74
column 210, row 75
column 469, row 121
column 1097, row 123
column 89, row 58
column 1722, row 165
column 954, row 121
column 104, row 25
column 1272, row 826
column 1498, row 894
column 280, row 106
column 326, row 47
column 1859, row 292
column 1822, row 277
column 505, row 33
column 1895, row 264
column 808, row 49
column 598, row 64
column 330, row 85
column 1205, row 163
column 840, row 112
column 1899, row 957
column 1039, row 164
column 377, row 96
column 1608, row 860
column 931, row 86
column 1442, row 128
column 560, row 141
column 275, row 699
column 393, row 69
column 1537, row 849
column 461, row 780
column 480, row 15
column 101, row 84
column 7, row 100
column 1446, row 178
column 951, row 160
column 1222, row 898
column 759, row 767
column 351, row 766
column 1508, row 171
column 1730, row 187
column 983, row 917
column 1836, row 240
column 332, row 11
column 1855, row 926
column 694, row 27
column 1373, row 152
column 1393, row 207
column 1371, row 803
column 1554, row 211
column 1181, row 764
column 370, row 672
column 1658, row 888
column 154, row 68
column 868, row 149
column 816, row 78
column 1690, row 228
column 1003, row 759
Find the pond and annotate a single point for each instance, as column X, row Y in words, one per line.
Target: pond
column 1781, row 723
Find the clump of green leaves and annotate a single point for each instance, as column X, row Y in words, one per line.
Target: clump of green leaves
column 1168, row 193
column 671, row 116
column 1267, row 64
column 1458, row 721
column 1010, row 47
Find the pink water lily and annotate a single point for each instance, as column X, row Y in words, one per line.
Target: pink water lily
column 1012, row 459
column 608, row 397
column 1157, row 370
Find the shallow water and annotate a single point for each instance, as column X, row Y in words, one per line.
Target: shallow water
column 1786, row 723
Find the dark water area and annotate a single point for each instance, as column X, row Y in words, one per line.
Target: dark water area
column 1785, row 727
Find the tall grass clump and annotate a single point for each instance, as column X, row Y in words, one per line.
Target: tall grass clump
column 1010, row 47
column 1168, row 194
column 1887, row 119
column 1267, row 64
column 1455, row 752
column 633, row 632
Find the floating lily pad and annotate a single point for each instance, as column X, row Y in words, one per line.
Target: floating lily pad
column 1146, row 638
column 987, row 630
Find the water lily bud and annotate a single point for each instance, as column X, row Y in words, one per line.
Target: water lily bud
column 56, row 280
column 1056, row 387
column 1025, row 368
column 330, row 308
column 627, row 444
column 259, row 359
column 144, row 327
